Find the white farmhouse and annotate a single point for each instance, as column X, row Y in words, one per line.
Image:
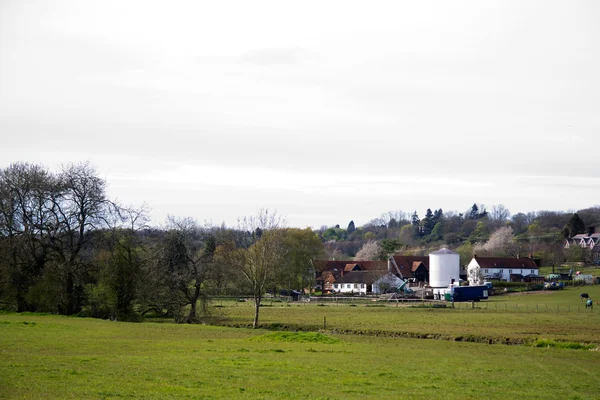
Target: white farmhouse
column 501, row 268
column 363, row 282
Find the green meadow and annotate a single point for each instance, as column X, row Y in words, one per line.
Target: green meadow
column 364, row 352
column 557, row 315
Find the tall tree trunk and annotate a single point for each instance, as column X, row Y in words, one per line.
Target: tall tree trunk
column 70, row 284
column 257, row 300
column 192, row 317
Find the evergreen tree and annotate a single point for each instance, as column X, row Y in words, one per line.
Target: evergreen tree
column 428, row 222
column 351, row 228
column 474, row 214
column 415, row 219
column 574, row 226
column 437, row 216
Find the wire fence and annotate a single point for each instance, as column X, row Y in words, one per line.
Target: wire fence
column 492, row 306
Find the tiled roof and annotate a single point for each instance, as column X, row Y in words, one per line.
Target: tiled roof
column 506, row 263
column 416, row 265
column 349, row 267
column 406, row 261
column 367, row 277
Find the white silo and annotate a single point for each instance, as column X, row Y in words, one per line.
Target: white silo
column 444, row 268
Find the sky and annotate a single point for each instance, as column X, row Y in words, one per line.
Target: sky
column 325, row 111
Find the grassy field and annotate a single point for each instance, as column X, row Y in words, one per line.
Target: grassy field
column 65, row 357
column 557, row 315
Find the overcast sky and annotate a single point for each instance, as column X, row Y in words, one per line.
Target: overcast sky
column 325, row 111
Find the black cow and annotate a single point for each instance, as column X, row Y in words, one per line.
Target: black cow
column 584, row 296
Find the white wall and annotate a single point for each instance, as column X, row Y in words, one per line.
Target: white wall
column 350, row 288
column 504, row 271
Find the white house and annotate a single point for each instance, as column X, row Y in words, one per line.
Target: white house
column 583, row 240
column 502, row 268
column 363, row 282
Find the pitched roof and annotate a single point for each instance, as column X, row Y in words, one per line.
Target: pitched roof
column 349, row 267
column 373, row 265
column 580, row 236
column 506, row 263
column 408, row 260
column 416, row 265
column 367, row 277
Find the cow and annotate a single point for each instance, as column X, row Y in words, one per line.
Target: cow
column 584, row 296
column 589, row 303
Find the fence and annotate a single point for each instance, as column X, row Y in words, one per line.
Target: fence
column 491, row 306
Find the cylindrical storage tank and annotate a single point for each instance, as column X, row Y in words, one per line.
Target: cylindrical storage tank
column 444, row 268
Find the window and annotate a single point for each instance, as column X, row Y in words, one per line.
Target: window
column 510, row 271
column 362, row 285
column 356, row 286
column 533, row 271
column 335, row 285
column 485, row 271
column 348, row 286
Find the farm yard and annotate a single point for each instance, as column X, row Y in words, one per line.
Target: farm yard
column 365, row 351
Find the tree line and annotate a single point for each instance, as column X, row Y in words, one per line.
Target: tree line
column 541, row 234
column 66, row 248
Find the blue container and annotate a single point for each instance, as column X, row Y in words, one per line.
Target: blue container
column 470, row 293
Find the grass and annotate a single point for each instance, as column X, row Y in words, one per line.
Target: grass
column 563, row 345
column 585, row 270
column 298, row 337
column 519, row 318
column 62, row 357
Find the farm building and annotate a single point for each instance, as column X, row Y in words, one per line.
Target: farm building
column 409, row 267
column 364, row 282
column 501, row 268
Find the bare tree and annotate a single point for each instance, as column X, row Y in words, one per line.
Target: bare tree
column 499, row 215
column 81, row 207
column 259, row 262
column 26, row 221
column 186, row 258
column 123, row 259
